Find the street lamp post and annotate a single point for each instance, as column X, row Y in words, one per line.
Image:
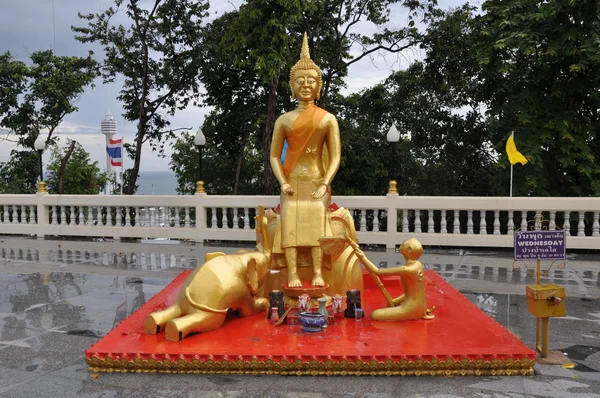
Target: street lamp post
column 40, row 145
column 200, row 141
column 393, row 136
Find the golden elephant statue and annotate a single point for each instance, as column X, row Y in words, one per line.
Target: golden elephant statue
column 224, row 282
column 342, row 271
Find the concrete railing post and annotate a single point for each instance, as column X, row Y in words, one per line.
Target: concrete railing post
column 43, row 215
column 200, row 217
column 392, row 220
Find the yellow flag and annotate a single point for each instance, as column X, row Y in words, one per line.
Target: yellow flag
column 514, row 156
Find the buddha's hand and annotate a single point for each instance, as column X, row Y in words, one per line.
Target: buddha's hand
column 287, row 189
column 318, row 194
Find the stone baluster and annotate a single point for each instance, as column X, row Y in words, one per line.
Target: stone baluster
column 456, row 222
column 152, row 222
column 430, row 224
column 405, row 221
column 363, row 220
column 87, row 215
column 375, row 220
column 538, row 221
column 482, row 222
column 128, row 216
column 23, row 219
column 147, row 218
column 581, row 224
column 213, row 219
column 418, row 221
column 236, row 218
column 54, row 216
column 32, row 219
column 246, row 218
column 176, row 222
column 470, row 222
column 187, row 218
column 596, row 225
column 552, row 224
column 524, row 220
column 443, row 223
column 138, row 217
column 100, row 222
column 511, row 222
column 567, row 223
column 62, row 215
column 118, row 217
column 14, row 216
column 497, row 222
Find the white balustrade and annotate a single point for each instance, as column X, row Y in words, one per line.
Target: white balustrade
column 230, row 217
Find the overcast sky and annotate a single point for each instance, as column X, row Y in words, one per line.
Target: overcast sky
column 30, row 25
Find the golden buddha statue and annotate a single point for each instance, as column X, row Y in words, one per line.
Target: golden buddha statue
column 311, row 162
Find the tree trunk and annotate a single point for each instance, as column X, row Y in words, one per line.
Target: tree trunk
column 271, row 103
column 240, row 163
column 63, row 166
column 130, row 187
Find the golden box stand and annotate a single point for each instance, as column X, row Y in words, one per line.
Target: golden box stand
column 545, row 301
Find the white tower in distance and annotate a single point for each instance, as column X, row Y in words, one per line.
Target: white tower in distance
column 108, row 127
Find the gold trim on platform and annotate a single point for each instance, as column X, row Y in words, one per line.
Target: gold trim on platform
column 449, row 367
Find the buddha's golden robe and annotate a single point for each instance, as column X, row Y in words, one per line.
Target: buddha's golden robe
column 304, row 219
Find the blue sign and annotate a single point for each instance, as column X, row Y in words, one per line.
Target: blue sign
column 540, row 245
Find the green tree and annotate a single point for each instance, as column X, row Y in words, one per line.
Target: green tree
column 81, row 175
column 247, row 57
column 20, row 174
column 38, row 97
column 534, row 68
column 157, row 54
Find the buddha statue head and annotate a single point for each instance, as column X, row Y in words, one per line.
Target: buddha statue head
column 306, row 79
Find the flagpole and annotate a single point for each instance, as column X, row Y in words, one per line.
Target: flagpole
column 123, row 161
column 511, row 169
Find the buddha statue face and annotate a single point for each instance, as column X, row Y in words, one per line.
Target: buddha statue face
column 306, row 85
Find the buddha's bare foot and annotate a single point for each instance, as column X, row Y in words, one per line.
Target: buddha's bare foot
column 294, row 280
column 318, row 279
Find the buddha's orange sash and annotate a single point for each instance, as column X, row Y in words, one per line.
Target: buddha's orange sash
column 303, row 128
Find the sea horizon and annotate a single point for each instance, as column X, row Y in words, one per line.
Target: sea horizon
column 157, row 183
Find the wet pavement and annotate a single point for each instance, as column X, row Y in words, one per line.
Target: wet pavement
column 58, row 297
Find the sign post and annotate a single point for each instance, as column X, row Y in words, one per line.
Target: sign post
column 544, row 301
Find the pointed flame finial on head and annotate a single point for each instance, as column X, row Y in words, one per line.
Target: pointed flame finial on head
column 305, row 63
column 305, row 52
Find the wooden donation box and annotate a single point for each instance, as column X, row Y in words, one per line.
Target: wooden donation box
column 546, row 301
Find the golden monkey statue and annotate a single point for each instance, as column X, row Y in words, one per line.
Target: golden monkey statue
column 413, row 303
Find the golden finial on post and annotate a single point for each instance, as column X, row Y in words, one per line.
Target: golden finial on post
column 42, row 187
column 200, row 187
column 393, row 188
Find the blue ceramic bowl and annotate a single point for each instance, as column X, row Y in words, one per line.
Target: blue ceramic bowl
column 312, row 321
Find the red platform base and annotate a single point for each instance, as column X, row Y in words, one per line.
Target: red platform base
column 461, row 340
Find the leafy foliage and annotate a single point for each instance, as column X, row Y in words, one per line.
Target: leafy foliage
column 20, row 174
column 533, row 66
column 245, row 69
column 157, row 54
column 38, row 97
column 81, row 176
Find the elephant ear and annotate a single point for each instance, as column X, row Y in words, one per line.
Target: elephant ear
column 252, row 276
